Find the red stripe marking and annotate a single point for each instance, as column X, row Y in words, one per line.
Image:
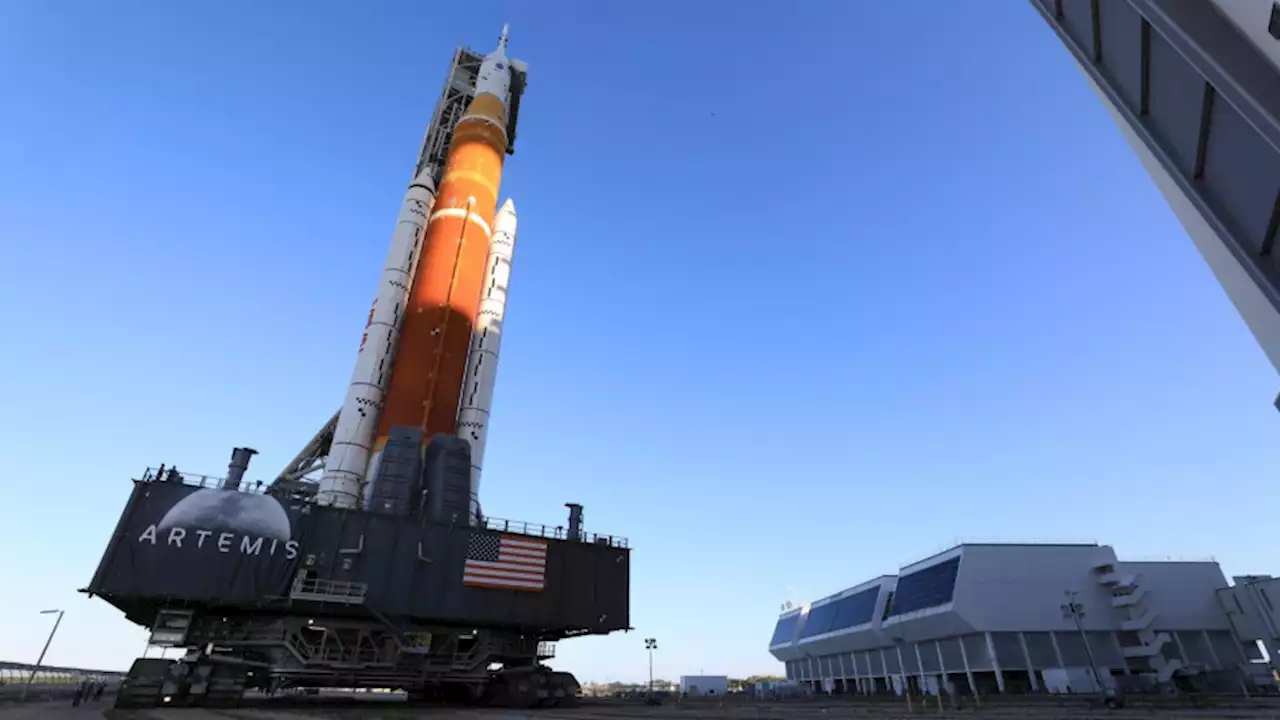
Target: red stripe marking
column 507, row 573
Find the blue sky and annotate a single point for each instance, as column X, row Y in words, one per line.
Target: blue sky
column 804, row 292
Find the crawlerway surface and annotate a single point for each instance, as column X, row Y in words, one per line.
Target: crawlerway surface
column 392, row 707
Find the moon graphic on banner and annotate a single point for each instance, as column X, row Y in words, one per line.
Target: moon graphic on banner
column 230, row 510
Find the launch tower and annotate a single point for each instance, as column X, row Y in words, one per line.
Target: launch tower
column 1194, row 88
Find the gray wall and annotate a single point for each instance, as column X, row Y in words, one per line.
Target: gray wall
column 1181, row 594
column 1252, row 607
column 1006, row 588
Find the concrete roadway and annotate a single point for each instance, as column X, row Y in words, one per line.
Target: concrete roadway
column 55, row 710
column 635, row 711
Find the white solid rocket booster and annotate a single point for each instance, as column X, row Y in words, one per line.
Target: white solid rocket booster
column 486, row 343
column 345, row 469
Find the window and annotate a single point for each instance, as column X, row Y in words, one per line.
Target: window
column 839, row 614
column 819, row 621
column 856, row 609
column 930, row 587
column 785, row 628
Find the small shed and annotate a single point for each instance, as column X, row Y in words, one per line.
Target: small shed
column 700, row 685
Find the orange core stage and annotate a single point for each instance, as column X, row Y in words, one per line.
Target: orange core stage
column 426, row 381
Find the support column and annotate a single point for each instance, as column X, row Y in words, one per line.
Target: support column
column 995, row 662
column 1213, row 652
column 968, row 671
column 942, row 669
column 924, row 685
column 1031, row 667
column 1057, row 651
column 902, row 668
column 1115, row 638
column 1182, row 651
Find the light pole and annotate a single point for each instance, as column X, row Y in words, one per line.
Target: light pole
column 650, row 644
column 31, row 678
column 1074, row 609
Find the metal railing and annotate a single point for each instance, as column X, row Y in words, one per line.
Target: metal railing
column 558, row 532
column 1168, row 558
column 517, row 527
column 343, row 591
column 153, row 474
column 17, row 673
column 48, row 681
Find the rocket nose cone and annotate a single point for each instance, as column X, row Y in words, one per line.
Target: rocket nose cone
column 505, row 220
column 502, row 39
column 499, row 53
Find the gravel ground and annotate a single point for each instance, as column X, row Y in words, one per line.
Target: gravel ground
column 392, row 708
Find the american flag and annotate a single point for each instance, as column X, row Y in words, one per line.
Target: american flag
column 504, row 561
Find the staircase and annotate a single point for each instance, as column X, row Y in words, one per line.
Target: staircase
column 298, row 646
column 1151, row 646
column 1128, row 597
column 1142, row 622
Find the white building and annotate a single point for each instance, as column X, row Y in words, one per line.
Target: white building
column 1251, row 604
column 703, row 685
column 1195, row 89
column 992, row 617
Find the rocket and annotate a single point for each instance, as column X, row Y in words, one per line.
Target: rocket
column 436, row 320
